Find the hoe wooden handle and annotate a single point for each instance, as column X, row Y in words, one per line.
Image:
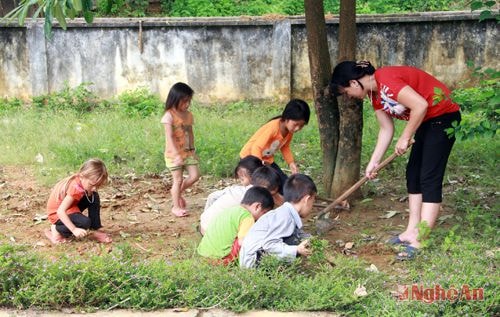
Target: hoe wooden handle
column 357, row 185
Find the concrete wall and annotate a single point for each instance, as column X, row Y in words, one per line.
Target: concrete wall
column 227, row 59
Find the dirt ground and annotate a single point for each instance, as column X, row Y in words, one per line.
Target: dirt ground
column 135, row 210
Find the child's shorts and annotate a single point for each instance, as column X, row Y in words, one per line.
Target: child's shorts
column 190, row 160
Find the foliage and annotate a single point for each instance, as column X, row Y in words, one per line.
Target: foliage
column 119, row 281
column 487, row 7
column 80, row 99
column 10, row 104
column 139, row 102
column 479, row 105
column 123, row 8
column 51, row 9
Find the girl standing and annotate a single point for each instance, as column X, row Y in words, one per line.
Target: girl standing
column 406, row 93
column 73, row 195
column 277, row 135
column 179, row 144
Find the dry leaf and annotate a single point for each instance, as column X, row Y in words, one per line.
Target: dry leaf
column 372, row 268
column 349, row 245
column 389, row 214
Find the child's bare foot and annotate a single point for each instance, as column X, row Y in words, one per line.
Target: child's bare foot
column 182, row 202
column 101, row 237
column 56, row 238
column 179, row 212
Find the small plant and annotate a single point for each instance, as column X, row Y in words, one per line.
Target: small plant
column 139, row 102
column 424, row 232
column 80, row 99
column 318, row 247
column 12, row 104
column 479, row 104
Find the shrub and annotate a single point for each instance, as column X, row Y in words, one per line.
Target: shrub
column 80, row 99
column 139, row 102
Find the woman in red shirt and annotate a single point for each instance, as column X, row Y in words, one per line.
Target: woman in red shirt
column 406, row 93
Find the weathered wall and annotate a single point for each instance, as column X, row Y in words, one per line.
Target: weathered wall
column 226, row 59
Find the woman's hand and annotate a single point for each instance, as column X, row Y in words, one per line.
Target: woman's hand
column 370, row 172
column 402, row 145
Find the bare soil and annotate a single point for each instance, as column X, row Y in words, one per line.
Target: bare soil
column 135, row 211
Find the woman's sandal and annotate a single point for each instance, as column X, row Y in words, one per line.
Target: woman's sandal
column 408, row 254
column 396, row 241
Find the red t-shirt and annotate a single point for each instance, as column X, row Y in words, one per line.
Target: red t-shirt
column 391, row 79
column 75, row 190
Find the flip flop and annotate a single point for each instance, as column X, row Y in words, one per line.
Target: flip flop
column 408, row 254
column 396, row 241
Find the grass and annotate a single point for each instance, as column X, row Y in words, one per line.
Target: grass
column 131, row 141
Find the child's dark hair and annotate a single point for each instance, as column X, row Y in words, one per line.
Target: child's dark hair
column 295, row 109
column 250, row 163
column 266, row 177
column 297, row 186
column 346, row 71
column 257, row 194
column 177, row 94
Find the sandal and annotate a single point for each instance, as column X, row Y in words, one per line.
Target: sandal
column 396, row 241
column 408, row 254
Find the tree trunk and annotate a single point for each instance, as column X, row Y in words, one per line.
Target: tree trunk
column 347, row 169
column 327, row 111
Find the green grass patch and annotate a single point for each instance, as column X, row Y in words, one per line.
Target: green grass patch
column 126, row 133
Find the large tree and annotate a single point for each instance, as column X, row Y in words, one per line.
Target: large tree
column 339, row 121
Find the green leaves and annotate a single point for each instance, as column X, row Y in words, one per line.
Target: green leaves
column 488, row 9
column 58, row 9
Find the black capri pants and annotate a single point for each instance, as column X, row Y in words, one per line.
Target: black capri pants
column 429, row 156
column 93, row 221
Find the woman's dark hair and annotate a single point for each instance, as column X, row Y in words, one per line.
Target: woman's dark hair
column 250, row 163
column 347, row 71
column 178, row 93
column 295, row 109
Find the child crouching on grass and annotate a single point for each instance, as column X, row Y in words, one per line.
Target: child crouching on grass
column 223, row 238
column 73, row 195
column 278, row 232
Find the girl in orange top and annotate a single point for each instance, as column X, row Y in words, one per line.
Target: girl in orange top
column 276, row 135
column 73, row 195
column 179, row 144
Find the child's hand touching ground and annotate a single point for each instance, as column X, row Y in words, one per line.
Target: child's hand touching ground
column 303, row 248
column 79, row 232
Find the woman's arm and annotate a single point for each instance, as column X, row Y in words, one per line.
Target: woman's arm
column 385, row 133
column 61, row 213
column 418, row 106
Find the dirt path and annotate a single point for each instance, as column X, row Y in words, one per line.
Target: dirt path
column 135, row 211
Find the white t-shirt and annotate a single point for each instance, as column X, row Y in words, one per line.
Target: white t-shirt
column 220, row 200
